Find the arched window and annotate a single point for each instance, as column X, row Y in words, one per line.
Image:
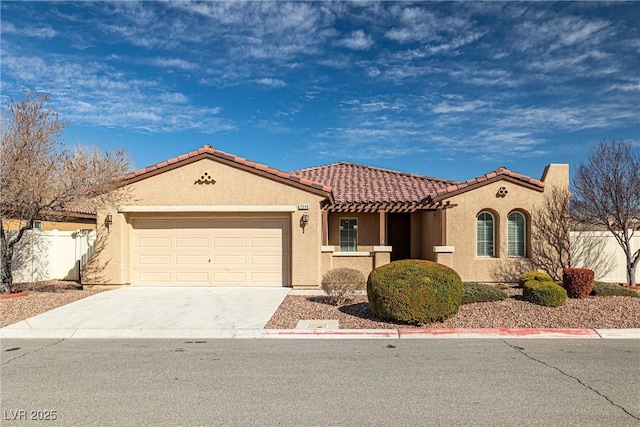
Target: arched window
column 516, row 234
column 484, row 234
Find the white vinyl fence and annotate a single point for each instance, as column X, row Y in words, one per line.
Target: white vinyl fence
column 48, row 255
column 609, row 250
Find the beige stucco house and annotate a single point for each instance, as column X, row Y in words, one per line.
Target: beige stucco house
column 213, row 219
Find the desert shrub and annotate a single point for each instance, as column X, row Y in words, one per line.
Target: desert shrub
column 578, row 282
column 414, row 291
column 342, row 283
column 602, row 289
column 534, row 275
column 544, row 293
column 479, row 292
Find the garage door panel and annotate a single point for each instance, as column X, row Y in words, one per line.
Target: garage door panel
column 230, row 242
column 192, row 242
column 192, row 278
column 230, row 260
column 229, row 277
column 266, row 242
column 154, row 259
column 210, row 252
column 191, row 259
column 266, row 277
column 154, row 242
column 159, row 277
column 263, row 260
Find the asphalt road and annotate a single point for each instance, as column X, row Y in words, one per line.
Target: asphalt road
column 492, row 382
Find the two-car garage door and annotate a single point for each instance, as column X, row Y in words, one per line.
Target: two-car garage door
column 210, row 252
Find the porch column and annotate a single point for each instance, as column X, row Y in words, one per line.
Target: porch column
column 325, row 227
column 383, row 228
column 444, row 255
column 443, row 227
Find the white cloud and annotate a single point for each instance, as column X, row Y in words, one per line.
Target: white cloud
column 271, row 82
column 357, row 40
column 28, row 31
column 173, row 63
column 462, row 107
column 91, row 93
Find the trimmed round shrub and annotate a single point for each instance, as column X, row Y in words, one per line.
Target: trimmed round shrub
column 342, row 283
column 601, row 289
column 414, row 291
column 479, row 292
column 578, row 282
column 534, row 275
column 547, row 294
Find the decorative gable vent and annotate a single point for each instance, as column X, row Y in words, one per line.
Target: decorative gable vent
column 205, row 178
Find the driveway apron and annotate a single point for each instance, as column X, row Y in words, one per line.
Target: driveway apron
column 156, row 312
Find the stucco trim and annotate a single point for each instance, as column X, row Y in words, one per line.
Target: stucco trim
column 351, row 254
column 463, row 188
column 145, row 209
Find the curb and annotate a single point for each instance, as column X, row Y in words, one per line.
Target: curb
column 440, row 333
column 393, row 334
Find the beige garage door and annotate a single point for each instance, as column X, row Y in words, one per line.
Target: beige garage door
column 248, row 252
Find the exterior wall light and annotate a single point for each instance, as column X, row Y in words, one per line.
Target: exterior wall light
column 304, row 220
column 108, row 221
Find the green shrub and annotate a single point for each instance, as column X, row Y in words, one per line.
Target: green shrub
column 544, row 293
column 479, row 292
column 342, row 283
column 602, row 289
column 414, row 291
column 534, row 275
column 578, row 282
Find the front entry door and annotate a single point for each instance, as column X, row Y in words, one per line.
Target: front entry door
column 399, row 235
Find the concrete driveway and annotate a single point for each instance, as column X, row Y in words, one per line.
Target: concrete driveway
column 156, row 312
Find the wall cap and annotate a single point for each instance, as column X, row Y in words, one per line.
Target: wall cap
column 327, row 248
column 443, row 249
column 382, row 249
column 353, row 254
column 144, row 209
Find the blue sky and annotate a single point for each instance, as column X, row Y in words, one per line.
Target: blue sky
column 451, row 90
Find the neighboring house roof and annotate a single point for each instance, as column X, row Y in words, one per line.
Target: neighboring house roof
column 364, row 188
column 501, row 173
column 72, row 211
column 210, row 152
column 80, row 209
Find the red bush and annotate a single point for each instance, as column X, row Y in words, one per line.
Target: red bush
column 577, row 281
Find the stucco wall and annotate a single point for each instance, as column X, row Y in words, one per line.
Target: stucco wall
column 461, row 225
column 368, row 229
column 233, row 187
column 431, row 232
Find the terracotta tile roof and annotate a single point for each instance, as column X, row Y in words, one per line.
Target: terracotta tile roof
column 498, row 174
column 209, row 151
column 354, row 183
column 82, row 207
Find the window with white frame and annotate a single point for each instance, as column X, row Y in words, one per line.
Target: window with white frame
column 348, row 234
column 484, row 235
column 516, row 234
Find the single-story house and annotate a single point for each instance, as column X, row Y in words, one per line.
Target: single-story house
column 214, row 219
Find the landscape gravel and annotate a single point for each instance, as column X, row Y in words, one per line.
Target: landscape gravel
column 592, row 312
column 41, row 297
